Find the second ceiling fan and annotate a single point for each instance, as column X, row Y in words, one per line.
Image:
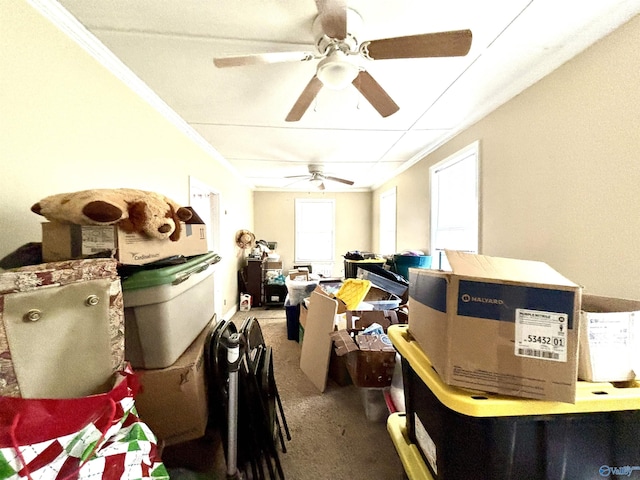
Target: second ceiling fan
column 342, row 56
column 317, row 177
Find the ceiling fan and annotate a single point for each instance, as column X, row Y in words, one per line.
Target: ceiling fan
column 342, row 56
column 317, row 177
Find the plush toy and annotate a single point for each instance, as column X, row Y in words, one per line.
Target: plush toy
column 132, row 210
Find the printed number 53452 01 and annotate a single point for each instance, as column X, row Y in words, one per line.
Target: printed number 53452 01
column 555, row 341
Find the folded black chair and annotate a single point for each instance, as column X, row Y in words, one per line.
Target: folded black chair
column 250, row 428
column 237, row 428
column 261, row 356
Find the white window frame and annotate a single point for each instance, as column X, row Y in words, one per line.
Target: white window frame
column 388, row 222
column 462, row 230
column 304, row 229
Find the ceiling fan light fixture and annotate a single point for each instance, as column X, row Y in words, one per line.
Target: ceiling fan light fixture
column 336, row 71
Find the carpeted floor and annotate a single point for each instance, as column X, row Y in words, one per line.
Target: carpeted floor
column 336, row 435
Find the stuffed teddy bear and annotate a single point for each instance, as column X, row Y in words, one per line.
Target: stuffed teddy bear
column 132, row 210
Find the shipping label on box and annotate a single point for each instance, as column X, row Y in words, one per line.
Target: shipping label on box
column 96, row 239
column 500, row 325
column 541, row 334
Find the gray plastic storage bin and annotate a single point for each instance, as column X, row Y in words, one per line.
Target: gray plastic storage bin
column 165, row 309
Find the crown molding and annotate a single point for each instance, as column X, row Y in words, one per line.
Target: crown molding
column 69, row 25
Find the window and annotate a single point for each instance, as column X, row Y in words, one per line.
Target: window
column 388, row 222
column 315, row 230
column 454, row 204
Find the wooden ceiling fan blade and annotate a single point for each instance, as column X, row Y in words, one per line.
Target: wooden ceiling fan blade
column 336, row 179
column 333, row 17
column 304, row 100
column 262, row 58
column 455, row 43
column 375, row 94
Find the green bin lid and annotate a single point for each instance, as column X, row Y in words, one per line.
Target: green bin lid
column 172, row 274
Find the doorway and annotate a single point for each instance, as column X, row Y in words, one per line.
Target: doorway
column 205, row 200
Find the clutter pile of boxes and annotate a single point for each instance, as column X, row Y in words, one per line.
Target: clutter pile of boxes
column 157, row 320
column 342, row 325
column 504, row 356
column 169, row 313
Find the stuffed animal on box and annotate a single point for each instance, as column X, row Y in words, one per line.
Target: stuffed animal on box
column 132, row 210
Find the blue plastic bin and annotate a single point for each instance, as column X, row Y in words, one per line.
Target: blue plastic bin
column 402, row 263
column 293, row 320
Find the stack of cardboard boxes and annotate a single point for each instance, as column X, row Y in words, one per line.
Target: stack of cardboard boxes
column 499, row 356
column 343, row 333
column 514, row 327
column 168, row 311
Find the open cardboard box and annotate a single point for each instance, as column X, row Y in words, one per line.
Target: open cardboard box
column 498, row 325
column 299, row 274
column 371, row 369
column 369, row 365
column 357, row 320
column 609, row 339
column 367, row 368
column 70, row 241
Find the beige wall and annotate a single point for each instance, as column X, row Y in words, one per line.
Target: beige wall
column 68, row 124
column 560, row 170
column 274, row 221
column 559, row 163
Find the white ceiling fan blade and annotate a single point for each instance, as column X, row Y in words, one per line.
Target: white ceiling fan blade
column 263, row 58
column 297, row 180
column 336, row 179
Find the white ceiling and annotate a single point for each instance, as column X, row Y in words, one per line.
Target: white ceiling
column 241, row 111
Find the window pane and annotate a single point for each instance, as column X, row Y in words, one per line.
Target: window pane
column 454, row 199
column 314, row 239
column 388, row 222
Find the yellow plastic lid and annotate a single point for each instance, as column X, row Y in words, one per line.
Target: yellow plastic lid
column 412, row 461
column 353, row 291
column 590, row 397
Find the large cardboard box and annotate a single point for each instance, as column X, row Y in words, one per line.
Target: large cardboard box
column 70, row 241
column 370, row 364
column 609, row 339
column 499, row 325
column 173, row 400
